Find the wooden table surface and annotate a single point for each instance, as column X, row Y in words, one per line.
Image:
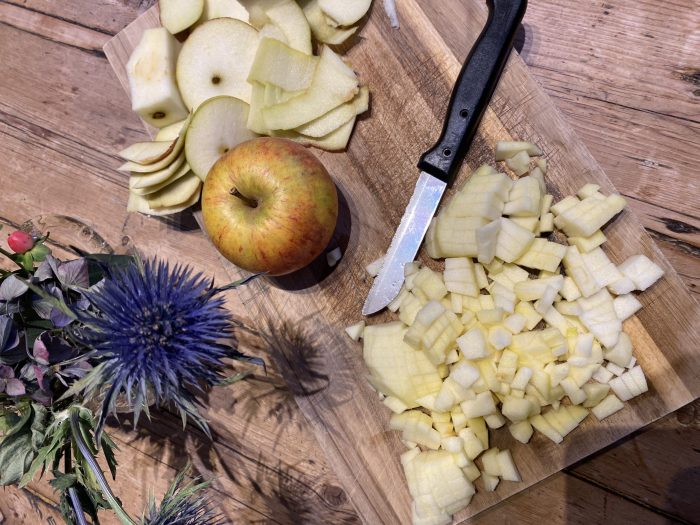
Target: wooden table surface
column 625, row 73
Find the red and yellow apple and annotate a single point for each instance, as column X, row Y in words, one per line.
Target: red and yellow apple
column 270, row 206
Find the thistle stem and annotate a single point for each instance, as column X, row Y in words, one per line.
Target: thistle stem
column 95, row 468
column 72, row 493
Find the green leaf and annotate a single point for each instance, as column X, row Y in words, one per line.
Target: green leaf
column 233, row 379
column 236, row 284
column 63, row 482
column 40, row 251
column 108, row 448
column 53, row 301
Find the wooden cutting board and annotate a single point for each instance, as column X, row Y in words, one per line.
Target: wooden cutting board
column 410, row 73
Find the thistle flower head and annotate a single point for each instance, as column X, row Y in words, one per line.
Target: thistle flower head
column 159, row 336
column 183, row 504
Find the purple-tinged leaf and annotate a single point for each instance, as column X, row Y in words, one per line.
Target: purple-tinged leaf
column 12, row 288
column 6, row 372
column 60, row 319
column 42, row 397
column 43, row 272
column 74, row 273
column 14, row 387
column 40, row 352
column 9, row 337
column 39, row 374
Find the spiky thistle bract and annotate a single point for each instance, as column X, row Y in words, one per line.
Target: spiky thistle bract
column 160, row 335
column 183, row 504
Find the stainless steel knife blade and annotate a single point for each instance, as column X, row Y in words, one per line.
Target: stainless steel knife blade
column 439, row 165
column 404, row 246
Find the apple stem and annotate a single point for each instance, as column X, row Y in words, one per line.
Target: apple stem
column 248, row 202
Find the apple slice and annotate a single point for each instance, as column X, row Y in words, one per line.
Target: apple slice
column 215, row 61
column 345, row 12
column 278, row 64
column 136, row 185
column 139, row 204
column 176, row 193
column 335, row 118
column 334, row 141
column 330, row 88
column 171, row 131
column 321, row 29
column 149, row 179
column 287, row 16
column 151, row 73
column 165, row 161
column 217, row 126
column 256, row 123
column 148, row 152
column 272, row 31
column 224, row 9
column 178, row 15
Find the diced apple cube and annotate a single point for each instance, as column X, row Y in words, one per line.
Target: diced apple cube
column 478, row 426
column 637, row 375
column 576, row 268
column 516, row 409
column 602, row 375
column 587, row 190
column 622, row 388
column 489, row 460
column 375, row 266
column 541, row 425
column 587, row 244
column 490, row 482
column 529, row 223
column 464, row 374
column 513, row 241
column 491, row 316
column 626, row 306
column 521, row 431
column 595, row 393
column 642, row 271
column 499, row 337
column 483, row 405
column 456, row 236
column 395, row 404
column 525, row 198
column 355, row 331
column 473, row 344
column 430, row 283
column 472, row 444
column 526, row 309
column 546, row 224
column 601, row 268
column 508, row 149
column 515, row 323
column 607, row 407
column 459, row 276
column 575, row 394
column 509, row 472
column 487, row 240
column 600, row 318
column 472, row 472
column 453, row 444
column 621, row 353
column 519, row 163
column 495, row 420
column 622, row 286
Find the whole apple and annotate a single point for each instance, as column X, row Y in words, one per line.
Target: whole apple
column 270, row 206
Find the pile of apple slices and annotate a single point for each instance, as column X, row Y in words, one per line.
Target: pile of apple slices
column 503, row 336
column 246, row 69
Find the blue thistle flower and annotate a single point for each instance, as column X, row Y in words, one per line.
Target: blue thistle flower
column 159, row 335
column 183, row 504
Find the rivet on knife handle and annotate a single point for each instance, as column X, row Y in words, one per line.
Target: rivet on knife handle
column 474, row 88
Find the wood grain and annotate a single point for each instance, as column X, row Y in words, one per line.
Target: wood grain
column 346, row 416
column 84, row 124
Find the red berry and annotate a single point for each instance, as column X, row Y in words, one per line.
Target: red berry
column 20, row 242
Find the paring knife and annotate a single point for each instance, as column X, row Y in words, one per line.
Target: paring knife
column 439, row 165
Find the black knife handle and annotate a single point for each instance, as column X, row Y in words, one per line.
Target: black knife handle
column 475, row 85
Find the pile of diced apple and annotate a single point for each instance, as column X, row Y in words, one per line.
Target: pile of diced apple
column 246, row 68
column 503, row 337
